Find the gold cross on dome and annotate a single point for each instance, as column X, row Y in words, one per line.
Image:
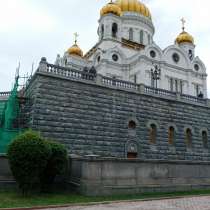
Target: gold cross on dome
column 183, row 23
column 76, row 35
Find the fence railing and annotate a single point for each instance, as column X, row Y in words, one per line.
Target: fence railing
column 119, row 83
column 112, row 82
column 5, row 94
column 161, row 92
column 193, row 99
column 67, row 72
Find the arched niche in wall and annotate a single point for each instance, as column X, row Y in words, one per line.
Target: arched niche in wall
column 131, row 149
column 153, row 128
column 204, row 135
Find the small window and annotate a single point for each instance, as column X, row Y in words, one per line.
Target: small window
column 132, row 125
column 181, row 86
column 115, row 57
column 102, row 31
column 176, row 86
column 171, row 84
column 196, row 67
column 99, row 58
column 114, row 30
column 153, row 133
column 171, row 135
column 152, row 54
column 141, row 37
column 131, row 34
column 190, row 54
column 197, row 90
column 175, row 57
column 189, row 138
column 135, row 79
column 205, row 139
column 148, row 37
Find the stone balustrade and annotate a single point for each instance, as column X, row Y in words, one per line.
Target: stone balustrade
column 121, row 84
column 4, row 95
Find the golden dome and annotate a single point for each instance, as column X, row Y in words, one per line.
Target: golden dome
column 111, row 8
column 184, row 37
column 75, row 50
column 134, row 6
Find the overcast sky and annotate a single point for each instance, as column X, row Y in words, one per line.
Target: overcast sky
column 31, row 29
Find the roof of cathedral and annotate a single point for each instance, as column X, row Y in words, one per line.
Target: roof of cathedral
column 111, row 8
column 120, row 6
column 184, row 37
column 134, row 6
column 75, row 50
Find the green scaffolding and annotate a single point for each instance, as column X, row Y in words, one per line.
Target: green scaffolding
column 9, row 112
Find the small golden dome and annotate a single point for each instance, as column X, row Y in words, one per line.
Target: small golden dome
column 111, row 8
column 184, row 37
column 134, row 6
column 75, row 50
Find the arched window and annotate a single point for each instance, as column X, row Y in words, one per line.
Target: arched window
column 141, row 37
column 148, row 37
column 102, row 31
column 131, row 34
column 132, row 125
column 114, row 30
column 189, row 138
column 153, row 133
column 171, row 135
column 205, row 139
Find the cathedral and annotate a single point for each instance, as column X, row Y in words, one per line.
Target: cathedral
column 126, row 51
column 134, row 117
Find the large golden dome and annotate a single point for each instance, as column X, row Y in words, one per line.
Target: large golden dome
column 75, row 50
column 184, row 37
column 111, row 8
column 134, row 6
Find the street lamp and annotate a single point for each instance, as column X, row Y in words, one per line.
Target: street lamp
column 155, row 75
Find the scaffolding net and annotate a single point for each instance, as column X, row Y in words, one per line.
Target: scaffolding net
column 9, row 114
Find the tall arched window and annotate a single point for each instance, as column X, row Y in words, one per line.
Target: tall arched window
column 102, row 31
column 205, row 139
column 131, row 34
column 148, row 37
column 141, row 37
column 114, row 30
column 189, row 138
column 153, row 133
column 171, row 135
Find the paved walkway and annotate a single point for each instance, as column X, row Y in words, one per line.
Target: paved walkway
column 194, row 203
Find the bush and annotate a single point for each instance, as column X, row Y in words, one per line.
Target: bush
column 57, row 164
column 28, row 157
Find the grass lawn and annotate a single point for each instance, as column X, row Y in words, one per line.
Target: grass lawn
column 12, row 199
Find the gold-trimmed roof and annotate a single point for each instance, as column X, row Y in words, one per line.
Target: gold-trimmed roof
column 75, row 50
column 134, row 6
column 184, row 37
column 111, row 8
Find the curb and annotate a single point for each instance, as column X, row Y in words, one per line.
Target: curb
column 104, row 202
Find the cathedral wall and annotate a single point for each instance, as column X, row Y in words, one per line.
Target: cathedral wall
column 106, row 176
column 93, row 119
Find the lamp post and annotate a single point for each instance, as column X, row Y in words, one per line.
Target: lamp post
column 155, row 75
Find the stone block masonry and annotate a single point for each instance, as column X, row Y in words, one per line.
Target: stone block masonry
column 93, row 119
column 108, row 176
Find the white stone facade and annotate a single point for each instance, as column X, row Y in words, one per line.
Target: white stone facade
column 126, row 51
